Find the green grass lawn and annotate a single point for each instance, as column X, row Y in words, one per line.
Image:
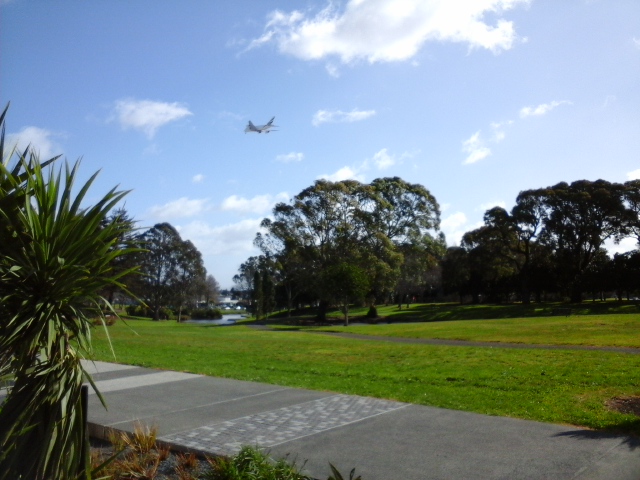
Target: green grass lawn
column 437, row 312
column 621, row 330
column 569, row 387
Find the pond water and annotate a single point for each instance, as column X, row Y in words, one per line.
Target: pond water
column 228, row 319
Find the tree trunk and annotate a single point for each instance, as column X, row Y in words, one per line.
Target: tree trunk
column 576, row 294
column 346, row 312
column 322, row 311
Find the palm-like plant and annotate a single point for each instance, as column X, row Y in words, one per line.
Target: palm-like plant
column 55, row 258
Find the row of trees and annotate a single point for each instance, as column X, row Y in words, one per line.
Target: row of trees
column 338, row 242
column 552, row 240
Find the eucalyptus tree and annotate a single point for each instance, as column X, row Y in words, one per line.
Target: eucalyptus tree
column 456, row 272
column 325, row 224
column 246, row 273
column 408, row 216
column 345, row 283
column 171, row 268
column 190, row 276
column 56, row 256
column 210, row 289
column 367, row 226
column 126, row 240
column 579, row 217
column 509, row 238
column 257, row 296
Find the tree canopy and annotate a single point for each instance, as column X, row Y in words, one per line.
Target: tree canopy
column 370, row 227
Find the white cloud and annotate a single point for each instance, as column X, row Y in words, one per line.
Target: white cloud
column 332, row 70
column 338, row 116
column 256, row 205
column 197, row 178
column 232, row 239
column 389, row 30
column 383, row 160
column 498, row 129
column 345, row 173
column 453, row 227
column 636, row 42
column 290, row 157
column 39, row 139
column 181, row 208
column 475, row 148
column 541, row 109
column 626, row 245
column 634, row 175
column 147, row 116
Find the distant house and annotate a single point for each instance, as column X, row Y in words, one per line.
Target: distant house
column 226, row 302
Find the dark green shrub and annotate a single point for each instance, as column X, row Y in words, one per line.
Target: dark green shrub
column 206, row 314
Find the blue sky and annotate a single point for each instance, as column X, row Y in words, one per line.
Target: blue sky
column 475, row 99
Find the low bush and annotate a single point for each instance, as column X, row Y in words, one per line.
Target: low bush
column 206, row 314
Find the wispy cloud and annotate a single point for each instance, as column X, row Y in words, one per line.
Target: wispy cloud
column 180, row 208
column 636, row 42
column 338, row 116
column 478, row 146
column 388, row 30
column 475, row 148
column 148, row 116
column 542, row 109
column 198, row 178
column 258, row 205
column 383, row 159
column 290, row 157
column 40, row 140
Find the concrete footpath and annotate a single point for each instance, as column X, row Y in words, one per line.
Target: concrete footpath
column 383, row 440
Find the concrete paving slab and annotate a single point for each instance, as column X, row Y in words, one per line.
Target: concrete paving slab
column 383, row 440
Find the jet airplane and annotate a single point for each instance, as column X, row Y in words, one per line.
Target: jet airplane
column 260, row 128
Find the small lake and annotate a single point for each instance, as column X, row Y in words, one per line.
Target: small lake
column 228, row 319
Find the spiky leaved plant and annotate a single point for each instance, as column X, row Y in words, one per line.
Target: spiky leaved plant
column 55, row 258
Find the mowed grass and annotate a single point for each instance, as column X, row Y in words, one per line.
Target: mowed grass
column 621, row 330
column 437, row 312
column 569, row 387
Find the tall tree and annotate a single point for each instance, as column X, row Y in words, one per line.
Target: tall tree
column 579, row 218
column 257, row 295
column 190, row 275
column 170, row 268
column 125, row 264
column 367, row 226
column 345, row 283
column 268, row 293
column 210, row 290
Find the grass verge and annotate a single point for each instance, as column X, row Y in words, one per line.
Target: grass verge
column 620, row 330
